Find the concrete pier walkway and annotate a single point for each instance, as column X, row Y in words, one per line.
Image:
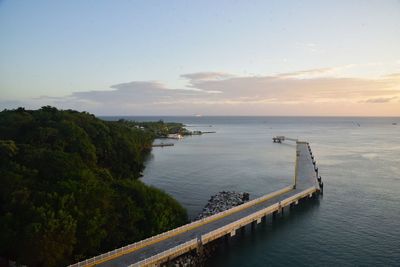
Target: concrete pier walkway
column 166, row 246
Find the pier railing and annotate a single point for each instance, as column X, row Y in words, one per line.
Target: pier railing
column 255, row 216
column 231, row 227
column 178, row 250
column 192, row 244
column 154, row 239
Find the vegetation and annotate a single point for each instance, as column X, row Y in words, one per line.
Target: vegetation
column 69, row 187
column 159, row 129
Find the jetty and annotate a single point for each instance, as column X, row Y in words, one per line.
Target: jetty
column 153, row 251
column 163, row 144
column 280, row 139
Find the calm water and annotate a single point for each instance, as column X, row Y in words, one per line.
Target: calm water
column 356, row 223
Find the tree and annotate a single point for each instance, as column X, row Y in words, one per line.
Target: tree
column 69, row 187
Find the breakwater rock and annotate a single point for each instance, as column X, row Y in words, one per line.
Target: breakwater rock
column 222, row 201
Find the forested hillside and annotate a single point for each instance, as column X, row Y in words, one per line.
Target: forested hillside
column 69, row 187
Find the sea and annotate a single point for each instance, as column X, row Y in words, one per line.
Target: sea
column 355, row 223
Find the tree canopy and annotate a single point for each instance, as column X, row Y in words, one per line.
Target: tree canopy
column 69, row 187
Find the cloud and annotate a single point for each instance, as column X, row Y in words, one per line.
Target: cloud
column 139, row 85
column 312, row 92
column 136, row 93
column 319, row 72
column 201, row 76
column 287, row 87
column 380, row 100
column 392, row 76
column 307, row 73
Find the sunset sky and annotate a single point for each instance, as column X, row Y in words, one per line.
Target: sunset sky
column 313, row 58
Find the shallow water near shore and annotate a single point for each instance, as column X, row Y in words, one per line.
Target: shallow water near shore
column 356, row 222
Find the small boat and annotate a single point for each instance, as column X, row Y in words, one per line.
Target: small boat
column 394, row 123
column 175, row 136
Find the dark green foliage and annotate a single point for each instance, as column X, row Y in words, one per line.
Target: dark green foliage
column 158, row 129
column 69, row 187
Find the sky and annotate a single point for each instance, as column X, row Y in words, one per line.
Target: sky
column 263, row 58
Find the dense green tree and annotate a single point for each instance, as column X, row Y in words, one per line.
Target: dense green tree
column 69, row 187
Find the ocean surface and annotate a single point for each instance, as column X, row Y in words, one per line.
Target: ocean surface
column 355, row 223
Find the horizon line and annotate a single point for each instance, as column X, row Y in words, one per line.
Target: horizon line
column 299, row 116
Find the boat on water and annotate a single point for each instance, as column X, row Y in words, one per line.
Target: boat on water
column 175, row 136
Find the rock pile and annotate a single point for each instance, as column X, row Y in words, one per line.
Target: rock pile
column 187, row 260
column 220, row 202
column 223, row 201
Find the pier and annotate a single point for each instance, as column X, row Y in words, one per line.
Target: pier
column 280, row 139
column 163, row 144
column 306, row 183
